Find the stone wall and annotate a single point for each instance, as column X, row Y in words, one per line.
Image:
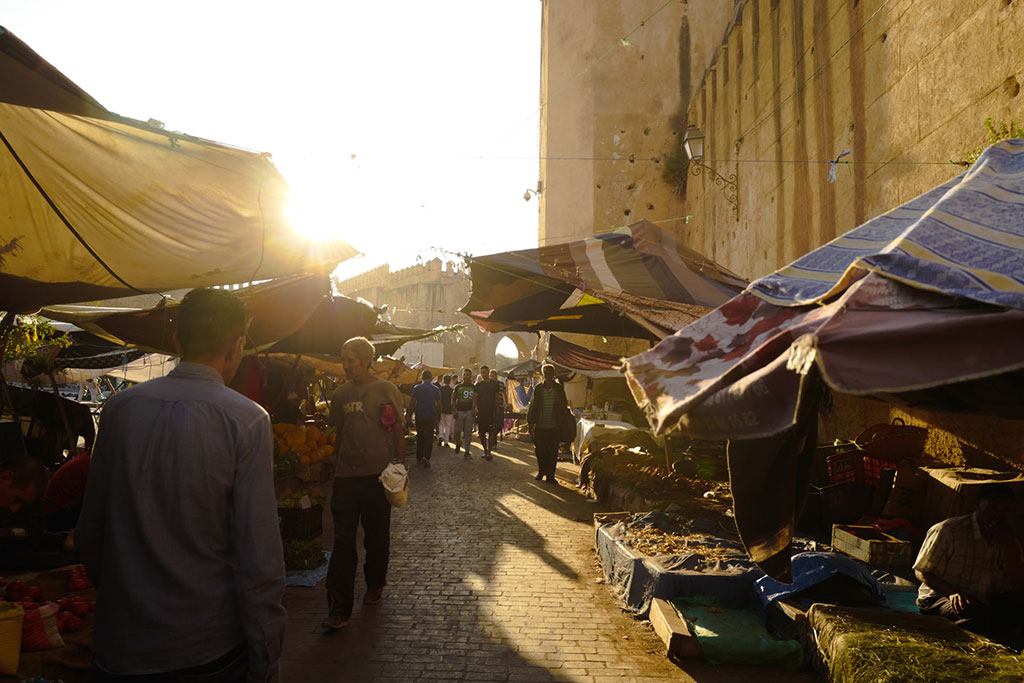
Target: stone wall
column 905, row 85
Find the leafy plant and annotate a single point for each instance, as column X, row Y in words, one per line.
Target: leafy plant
column 995, row 133
column 675, row 171
column 32, row 338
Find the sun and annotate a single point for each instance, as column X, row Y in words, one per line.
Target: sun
column 311, row 216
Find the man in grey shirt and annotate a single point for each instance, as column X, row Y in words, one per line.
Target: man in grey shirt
column 179, row 527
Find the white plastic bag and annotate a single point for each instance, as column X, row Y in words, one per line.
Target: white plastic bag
column 395, row 480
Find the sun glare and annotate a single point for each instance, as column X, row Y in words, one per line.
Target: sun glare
column 312, row 217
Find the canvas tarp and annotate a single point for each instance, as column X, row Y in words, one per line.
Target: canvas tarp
column 582, row 360
column 95, row 206
column 636, row 283
column 923, row 306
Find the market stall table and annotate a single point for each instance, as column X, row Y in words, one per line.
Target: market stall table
column 587, row 428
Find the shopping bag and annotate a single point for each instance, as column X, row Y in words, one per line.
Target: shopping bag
column 11, row 617
column 395, row 480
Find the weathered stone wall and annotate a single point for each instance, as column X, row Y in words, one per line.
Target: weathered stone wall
column 905, row 86
column 615, row 78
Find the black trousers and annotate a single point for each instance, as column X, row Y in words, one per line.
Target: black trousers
column 487, row 427
column 355, row 501
column 545, row 443
column 424, row 437
column 232, row 667
column 995, row 621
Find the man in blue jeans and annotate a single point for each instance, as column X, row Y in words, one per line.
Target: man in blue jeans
column 426, row 407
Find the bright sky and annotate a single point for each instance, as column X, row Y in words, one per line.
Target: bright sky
column 401, row 126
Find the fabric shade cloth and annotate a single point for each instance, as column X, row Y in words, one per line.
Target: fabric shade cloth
column 636, row 283
column 922, row 306
column 582, row 360
column 96, row 206
column 278, row 309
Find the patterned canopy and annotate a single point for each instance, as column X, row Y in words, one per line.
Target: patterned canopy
column 923, row 306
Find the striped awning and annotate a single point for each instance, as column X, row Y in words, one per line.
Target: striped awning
column 922, row 306
column 640, row 282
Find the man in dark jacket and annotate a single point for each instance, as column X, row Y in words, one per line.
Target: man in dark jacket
column 546, row 407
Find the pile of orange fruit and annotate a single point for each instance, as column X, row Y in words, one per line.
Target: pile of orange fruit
column 308, row 441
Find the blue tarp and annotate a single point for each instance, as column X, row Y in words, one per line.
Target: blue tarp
column 813, row 569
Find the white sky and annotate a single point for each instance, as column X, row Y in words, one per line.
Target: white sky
column 418, row 91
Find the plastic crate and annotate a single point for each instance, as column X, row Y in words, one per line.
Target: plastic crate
column 870, row 545
column 301, row 525
column 858, row 466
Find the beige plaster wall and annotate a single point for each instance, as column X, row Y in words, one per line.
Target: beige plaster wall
column 610, row 112
column 905, row 85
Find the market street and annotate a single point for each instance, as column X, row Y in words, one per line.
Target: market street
column 492, row 578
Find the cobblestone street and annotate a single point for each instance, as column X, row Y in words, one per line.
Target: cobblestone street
column 493, row 578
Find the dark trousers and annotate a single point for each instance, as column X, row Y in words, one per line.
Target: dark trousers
column 545, row 443
column 355, row 501
column 233, row 667
column 995, row 621
column 424, row 437
column 488, row 430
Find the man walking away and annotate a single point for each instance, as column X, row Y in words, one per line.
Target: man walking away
column 542, row 417
column 425, row 406
column 447, row 418
column 485, row 407
column 463, row 399
column 500, row 411
column 179, row 527
column 371, row 434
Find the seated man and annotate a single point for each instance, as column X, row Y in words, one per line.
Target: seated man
column 62, row 501
column 22, row 479
column 971, row 568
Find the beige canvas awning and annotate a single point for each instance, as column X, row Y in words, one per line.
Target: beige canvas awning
column 95, row 206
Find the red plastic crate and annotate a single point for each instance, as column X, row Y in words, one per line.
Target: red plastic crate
column 857, row 466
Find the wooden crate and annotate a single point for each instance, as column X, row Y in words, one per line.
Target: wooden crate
column 870, row 545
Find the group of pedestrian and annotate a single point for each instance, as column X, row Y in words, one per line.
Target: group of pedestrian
column 454, row 411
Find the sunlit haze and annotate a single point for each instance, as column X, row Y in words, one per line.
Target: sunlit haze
column 402, row 127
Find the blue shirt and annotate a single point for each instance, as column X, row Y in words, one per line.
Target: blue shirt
column 426, row 394
column 179, row 528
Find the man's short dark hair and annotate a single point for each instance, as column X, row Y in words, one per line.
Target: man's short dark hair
column 209, row 320
column 28, row 472
column 447, row 378
column 995, row 491
column 427, row 374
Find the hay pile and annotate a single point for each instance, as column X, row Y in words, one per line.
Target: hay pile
column 868, row 646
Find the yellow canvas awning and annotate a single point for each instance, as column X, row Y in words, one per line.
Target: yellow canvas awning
column 95, row 206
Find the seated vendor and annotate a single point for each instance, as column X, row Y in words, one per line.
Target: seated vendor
column 62, row 501
column 972, row 568
column 22, row 479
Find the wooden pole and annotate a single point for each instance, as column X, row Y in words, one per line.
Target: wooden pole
column 72, row 441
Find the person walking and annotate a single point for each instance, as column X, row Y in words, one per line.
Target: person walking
column 178, row 528
column 371, row 434
column 542, row 417
column 447, row 424
column 500, row 411
column 485, row 408
column 463, row 397
column 425, row 406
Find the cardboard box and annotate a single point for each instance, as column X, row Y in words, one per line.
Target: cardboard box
column 952, row 491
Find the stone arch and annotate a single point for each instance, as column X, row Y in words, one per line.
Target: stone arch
column 525, row 343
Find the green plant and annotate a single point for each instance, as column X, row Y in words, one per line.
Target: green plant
column 32, row 338
column 675, row 171
column 995, row 133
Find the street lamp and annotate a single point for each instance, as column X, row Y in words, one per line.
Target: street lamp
column 693, row 143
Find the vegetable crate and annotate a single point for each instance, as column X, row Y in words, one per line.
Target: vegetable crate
column 858, row 466
column 870, row 545
column 301, row 525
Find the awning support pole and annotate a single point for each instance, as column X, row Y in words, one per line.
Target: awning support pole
column 72, row 441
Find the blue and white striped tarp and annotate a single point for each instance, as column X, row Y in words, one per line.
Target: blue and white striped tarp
column 964, row 238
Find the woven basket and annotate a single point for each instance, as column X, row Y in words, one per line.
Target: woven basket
column 894, row 441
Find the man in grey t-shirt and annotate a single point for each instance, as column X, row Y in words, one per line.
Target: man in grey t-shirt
column 371, row 434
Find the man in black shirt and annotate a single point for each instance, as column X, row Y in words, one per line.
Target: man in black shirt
column 463, row 399
column 485, row 408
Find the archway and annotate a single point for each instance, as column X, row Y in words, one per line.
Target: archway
column 524, row 343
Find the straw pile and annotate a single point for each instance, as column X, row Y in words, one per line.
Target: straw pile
column 867, row 646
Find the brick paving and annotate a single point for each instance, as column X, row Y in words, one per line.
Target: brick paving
column 493, row 578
